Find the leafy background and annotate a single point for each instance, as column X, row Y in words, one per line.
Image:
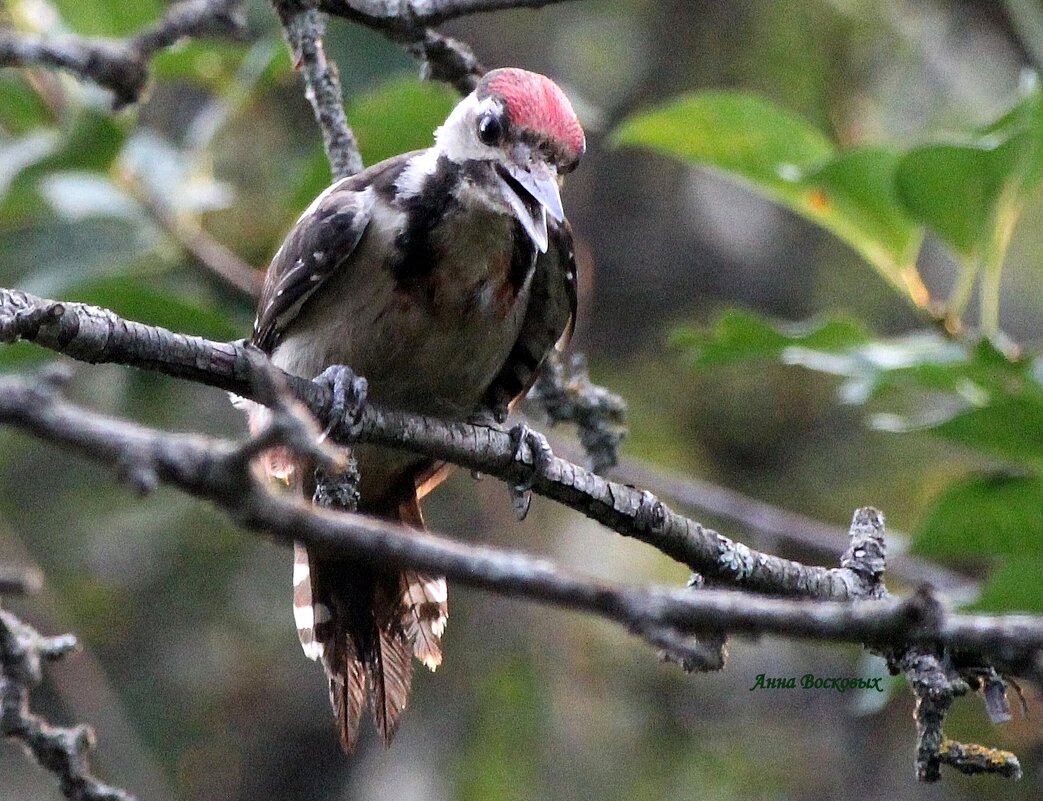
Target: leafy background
column 815, row 231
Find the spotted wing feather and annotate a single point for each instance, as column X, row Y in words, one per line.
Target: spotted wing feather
column 321, row 242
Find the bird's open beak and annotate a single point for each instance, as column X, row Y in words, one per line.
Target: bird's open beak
column 532, row 192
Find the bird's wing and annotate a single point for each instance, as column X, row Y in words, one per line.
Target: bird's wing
column 549, row 319
column 320, row 242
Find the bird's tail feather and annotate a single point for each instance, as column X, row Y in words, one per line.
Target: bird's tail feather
column 363, row 626
column 366, row 627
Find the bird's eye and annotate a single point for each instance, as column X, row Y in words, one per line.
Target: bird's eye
column 490, row 129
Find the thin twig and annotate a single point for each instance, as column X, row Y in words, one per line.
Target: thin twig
column 304, row 27
column 63, row 751
column 565, row 393
column 121, row 65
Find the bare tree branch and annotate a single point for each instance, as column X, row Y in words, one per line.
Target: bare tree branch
column 95, row 335
column 913, row 631
column 775, row 523
column 219, row 471
column 443, row 58
column 446, row 59
column 935, row 687
column 63, row 751
column 121, row 65
column 565, row 394
column 304, row 27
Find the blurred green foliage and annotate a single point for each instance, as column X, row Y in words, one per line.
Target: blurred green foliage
column 969, row 191
column 966, row 391
column 966, row 189
column 850, row 194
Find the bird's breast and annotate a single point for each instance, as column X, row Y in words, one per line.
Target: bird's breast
column 431, row 336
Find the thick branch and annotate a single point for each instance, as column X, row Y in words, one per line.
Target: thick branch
column 95, row 335
column 219, row 471
column 121, row 65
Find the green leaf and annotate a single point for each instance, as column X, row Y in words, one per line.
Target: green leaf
column 22, row 355
column 398, row 116
column 18, row 154
column 957, row 189
column 731, row 131
column 21, row 107
column 78, row 195
column 995, row 518
column 50, row 256
column 183, row 178
column 200, row 61
column 1014, row 587
column 853, row 197
column 739, row 335
column 134, row 298
column 850, row 194
column 1008, row 427
column 90, row 141
column 105, row 18
column 963, row 188
column 982, row 516
column 972, row 394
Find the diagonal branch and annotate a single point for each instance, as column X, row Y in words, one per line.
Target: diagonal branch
column 219, row 471
column 121, row 65
column 773, row 523
column 95, row 335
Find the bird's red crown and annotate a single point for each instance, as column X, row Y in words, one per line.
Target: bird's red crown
column 534, row 101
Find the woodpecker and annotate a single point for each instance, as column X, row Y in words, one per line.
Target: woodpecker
column 443, row 277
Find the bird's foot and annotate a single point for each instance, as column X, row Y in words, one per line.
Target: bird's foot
column 349, row 397
column 542, row 458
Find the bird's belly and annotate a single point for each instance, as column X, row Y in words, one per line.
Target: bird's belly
column 413, row 358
